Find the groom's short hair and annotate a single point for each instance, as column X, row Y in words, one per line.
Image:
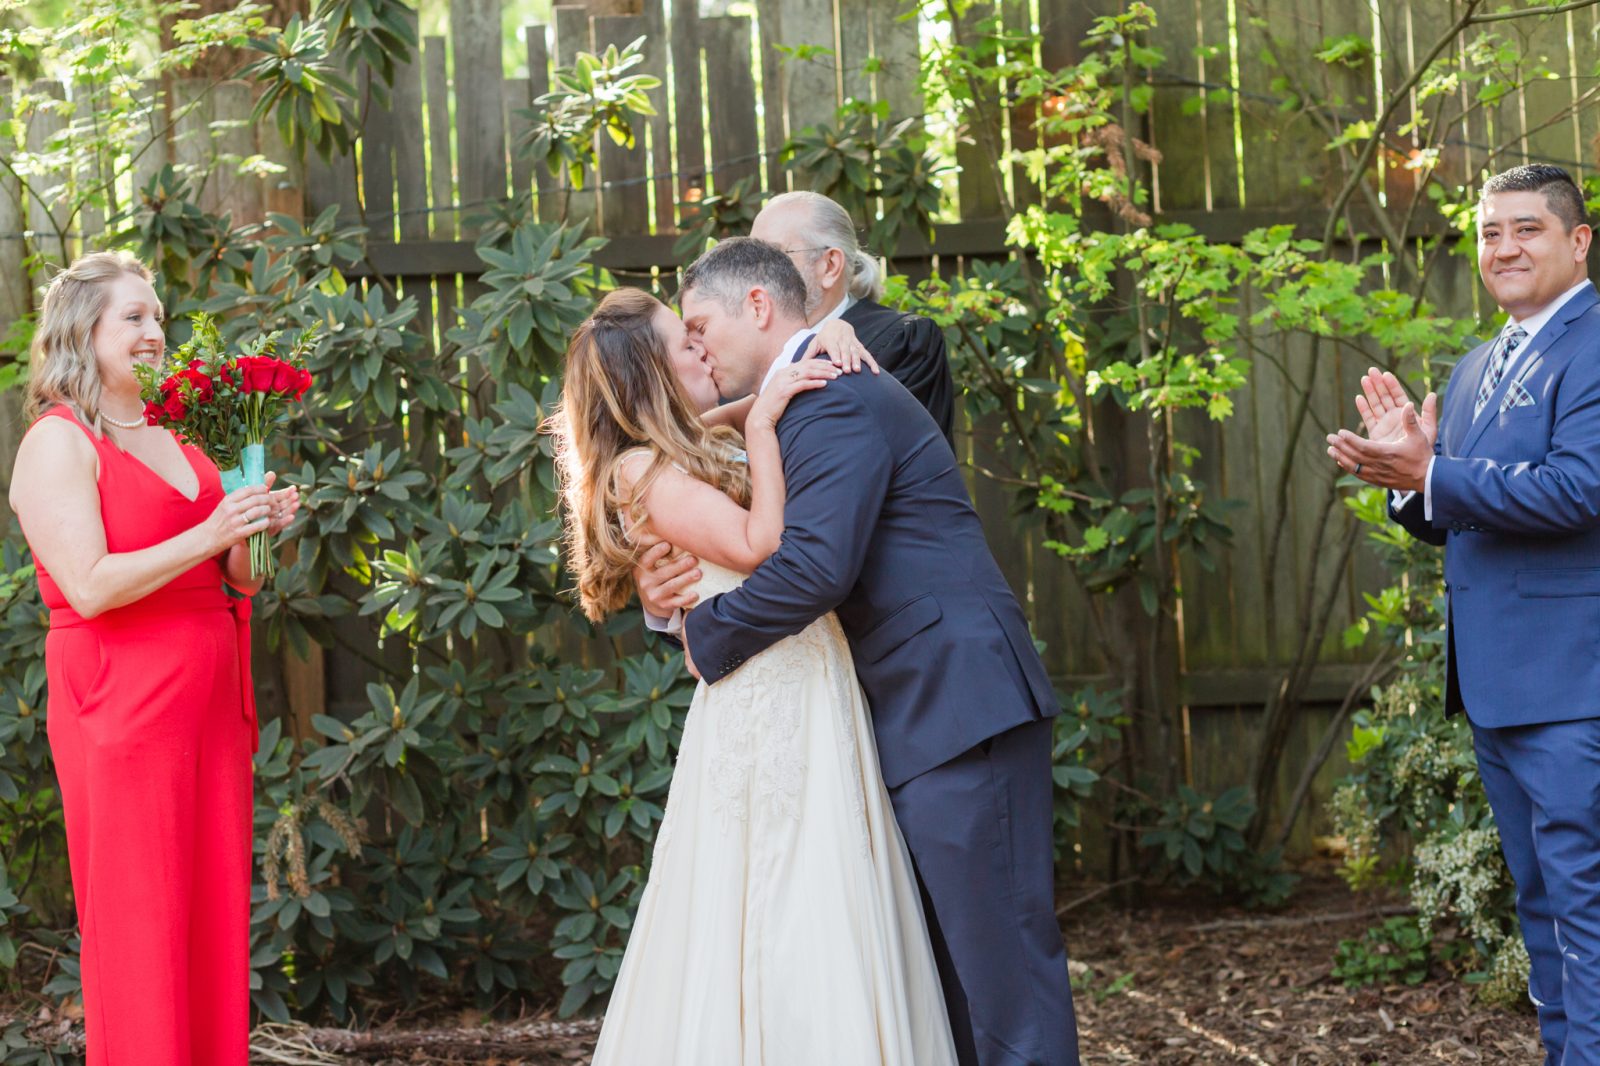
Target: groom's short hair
column 730, row 269
column 1561, row 193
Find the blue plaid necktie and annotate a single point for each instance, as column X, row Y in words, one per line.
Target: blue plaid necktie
column 1509, row 338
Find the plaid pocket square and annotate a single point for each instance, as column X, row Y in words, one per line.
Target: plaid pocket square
column 1516, row 396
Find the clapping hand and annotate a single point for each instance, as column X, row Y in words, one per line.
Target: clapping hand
column 1399, row 444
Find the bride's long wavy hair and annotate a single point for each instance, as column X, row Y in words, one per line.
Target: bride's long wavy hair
column 620, row 394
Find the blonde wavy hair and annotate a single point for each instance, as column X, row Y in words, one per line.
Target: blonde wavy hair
column 620, row 395
column 62, row 367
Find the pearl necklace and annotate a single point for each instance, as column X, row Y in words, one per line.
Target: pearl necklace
column 135, row 424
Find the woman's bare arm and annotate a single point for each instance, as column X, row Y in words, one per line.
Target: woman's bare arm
column 701, row 520
column 57, row 501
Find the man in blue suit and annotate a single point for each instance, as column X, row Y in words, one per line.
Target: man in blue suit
column 879, row 529
column 1508, row 482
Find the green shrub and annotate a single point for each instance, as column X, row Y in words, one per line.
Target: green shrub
column 1394, row 953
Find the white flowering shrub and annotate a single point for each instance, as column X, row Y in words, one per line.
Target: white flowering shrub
column 1413, row 809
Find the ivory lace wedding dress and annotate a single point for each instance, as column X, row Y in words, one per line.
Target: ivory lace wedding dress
column 782, row 924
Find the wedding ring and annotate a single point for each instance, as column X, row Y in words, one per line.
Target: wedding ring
column 1357, row 470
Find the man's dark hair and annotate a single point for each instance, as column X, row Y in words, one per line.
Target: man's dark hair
column 1561, row 193
column 729, row 270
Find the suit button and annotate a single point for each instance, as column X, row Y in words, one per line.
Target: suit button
column 1461, row 588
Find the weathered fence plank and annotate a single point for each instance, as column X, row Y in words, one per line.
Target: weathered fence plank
column 378, row 132
column 573, row 35
column 14, row 301
column 624, row 196
column 731, row 100
column 48, row 219
column 663, row 193
column 410, row 155
column 480, row 111
column 441, row 180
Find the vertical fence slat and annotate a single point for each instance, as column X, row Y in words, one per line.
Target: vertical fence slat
column 656, row 53
column 899, row 52
column 441, row 181
column 688, row 122
column 810, row 92
column 410, row 161
column 1021, row 116
column 545, row 183
column 731, row 94
column 1585, row 31
column 44, row 219
column 1183, row 175
column 480, row 113
column 1548, row 138
column 976, row 191
column 518, row 97
column 233, row 140
column 624, row 199
column 150, row 145
column 855, row 49
column 377, row 162
column 573, row 35
column 13, row 303
column 775, row 122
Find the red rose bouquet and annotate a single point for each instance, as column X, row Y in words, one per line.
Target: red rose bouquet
column 225, row 405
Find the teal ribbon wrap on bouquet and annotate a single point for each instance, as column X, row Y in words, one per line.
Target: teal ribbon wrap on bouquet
column 252, row 470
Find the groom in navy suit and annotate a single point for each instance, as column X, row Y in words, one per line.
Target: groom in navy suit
column 1508, row 482
column 879, row 529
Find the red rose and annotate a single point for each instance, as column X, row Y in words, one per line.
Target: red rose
column 256, row 373
column 284, row 379
column 152, row 413
column 204, row 387
column 175, row 408
column 303, row 384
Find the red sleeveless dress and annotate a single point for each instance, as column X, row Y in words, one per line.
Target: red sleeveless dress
column 152, row 725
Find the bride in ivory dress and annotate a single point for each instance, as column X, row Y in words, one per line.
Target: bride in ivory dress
column 781, row 923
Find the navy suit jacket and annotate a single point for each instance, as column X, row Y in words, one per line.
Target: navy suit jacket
column 1516, row 506
column 878, row 527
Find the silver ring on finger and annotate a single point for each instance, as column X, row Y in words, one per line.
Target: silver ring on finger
column 1357, row 470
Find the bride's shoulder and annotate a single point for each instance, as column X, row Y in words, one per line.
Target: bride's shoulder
column 631, row 466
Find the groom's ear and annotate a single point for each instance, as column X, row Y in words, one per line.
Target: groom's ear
column 761, row 306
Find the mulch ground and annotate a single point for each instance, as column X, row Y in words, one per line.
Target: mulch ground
column 1169, row 981
column 1180, row 982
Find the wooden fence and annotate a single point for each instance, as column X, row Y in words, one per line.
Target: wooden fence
column 1233, row 159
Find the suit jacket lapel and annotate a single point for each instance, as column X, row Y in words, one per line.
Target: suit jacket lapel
column 1458, row 418
column 1533, row 354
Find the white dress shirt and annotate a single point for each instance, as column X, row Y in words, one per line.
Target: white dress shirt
column 1533, row 324
column 786, row 356
column 839, row 309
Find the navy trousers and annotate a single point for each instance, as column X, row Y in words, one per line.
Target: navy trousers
column 1543, row 782
column 979, row 831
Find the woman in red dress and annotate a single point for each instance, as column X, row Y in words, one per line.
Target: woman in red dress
column 151, row 717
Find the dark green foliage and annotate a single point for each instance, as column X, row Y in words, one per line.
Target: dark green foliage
column 1394, row 953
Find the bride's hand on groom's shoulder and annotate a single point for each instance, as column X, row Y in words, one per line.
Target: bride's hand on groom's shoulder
column 837, row 339
column 773, row 400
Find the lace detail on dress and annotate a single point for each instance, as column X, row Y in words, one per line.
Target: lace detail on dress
column 758, row 729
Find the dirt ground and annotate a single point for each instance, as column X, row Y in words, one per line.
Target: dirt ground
column 1228, row 986
column 1174, row 981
